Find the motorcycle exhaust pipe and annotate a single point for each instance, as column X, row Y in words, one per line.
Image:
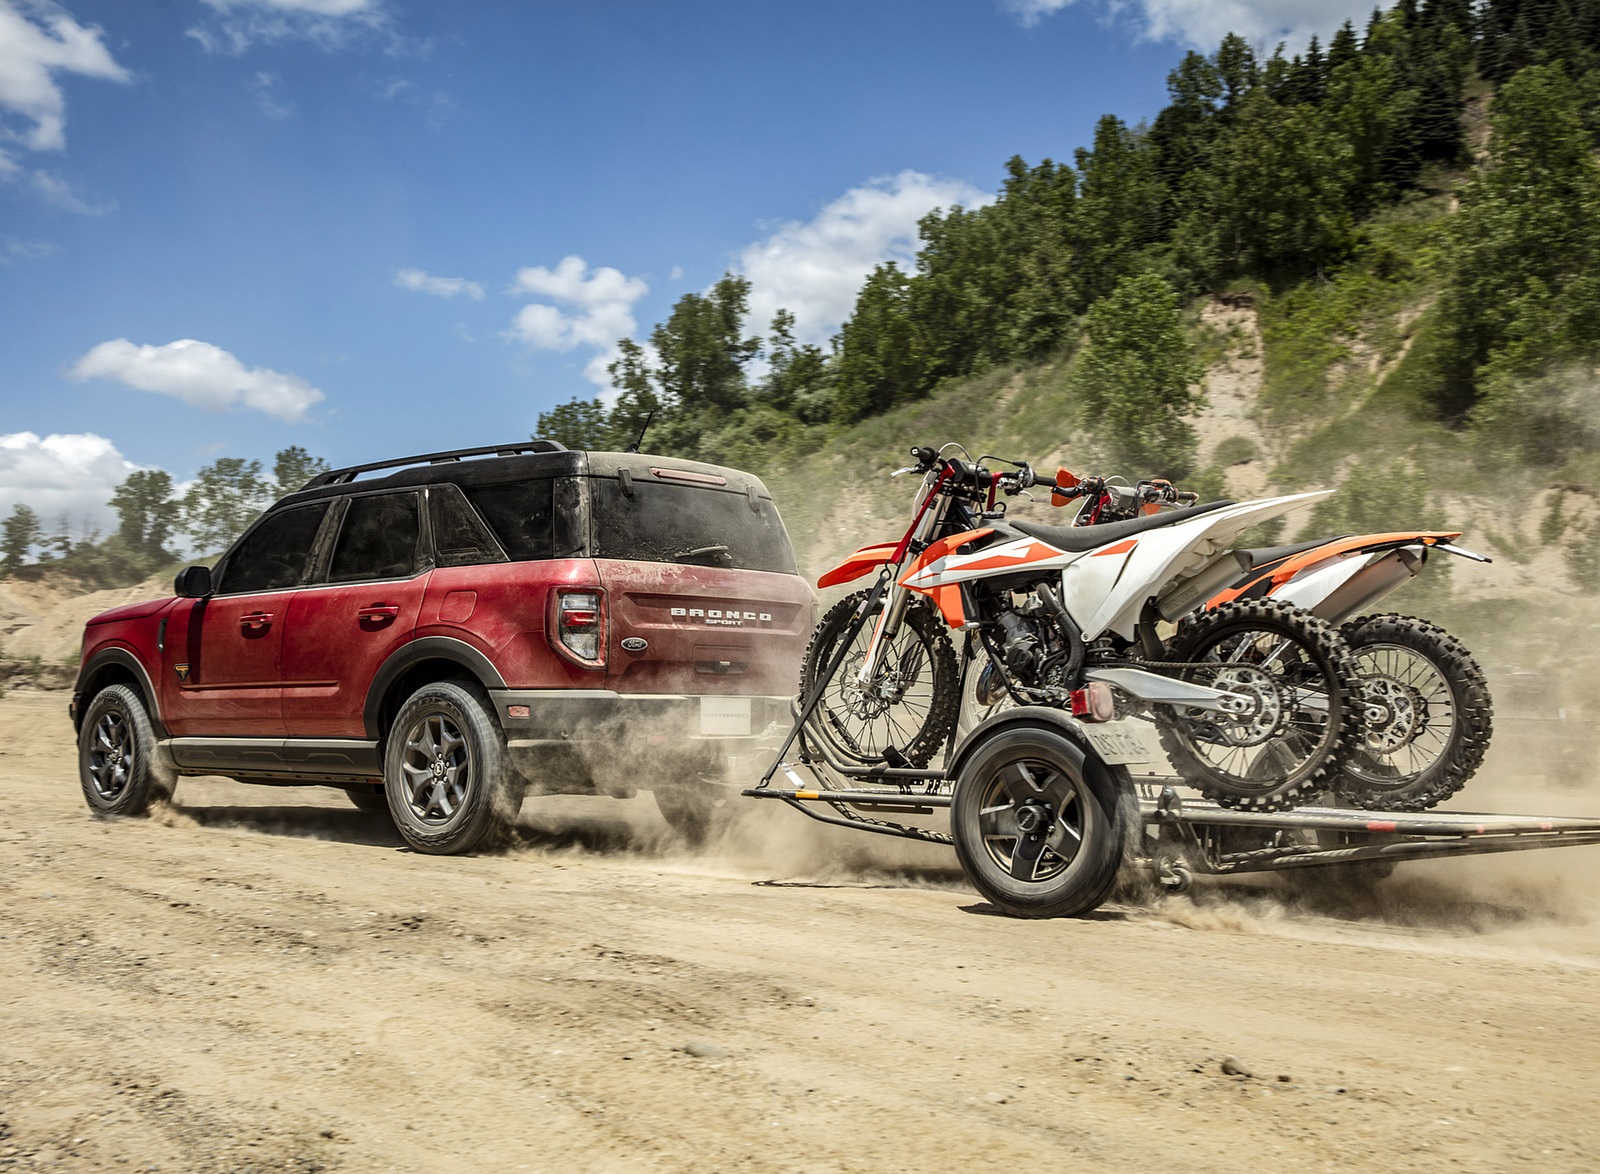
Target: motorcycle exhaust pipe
column 1187, row 594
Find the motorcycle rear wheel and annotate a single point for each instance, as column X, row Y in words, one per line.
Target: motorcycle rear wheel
column 905, row 715
column 1429, row 720
column 1308, row 724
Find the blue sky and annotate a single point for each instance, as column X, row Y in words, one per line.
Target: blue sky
column 376, row 227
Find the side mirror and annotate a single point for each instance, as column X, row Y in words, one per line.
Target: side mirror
column 193, row 582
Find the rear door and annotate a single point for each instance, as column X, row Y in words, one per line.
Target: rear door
column 702, row 593
column 223, row 655
column 340, row 630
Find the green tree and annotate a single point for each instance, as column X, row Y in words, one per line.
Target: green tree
column 147, row 512
column 1137, row 377
column 227, row 496
column 293, row 467
column 18, row 534
column 1522, row 290
column 797, row 370
column 1276, row 196
column 1119, row 205
column 578, row 424
column 701, row 350
column 880, row 362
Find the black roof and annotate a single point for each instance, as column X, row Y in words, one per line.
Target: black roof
column 503, row 462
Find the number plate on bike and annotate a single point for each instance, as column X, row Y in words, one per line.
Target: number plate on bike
column 1128, row 740
column 724, row 717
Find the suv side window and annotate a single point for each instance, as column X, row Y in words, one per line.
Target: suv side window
column 519, row 513
column 378, row 539
column 459, row 536
column 274, row 554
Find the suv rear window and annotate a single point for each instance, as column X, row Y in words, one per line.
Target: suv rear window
column 696, row 526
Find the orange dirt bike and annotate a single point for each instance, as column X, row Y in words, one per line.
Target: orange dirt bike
column 1258, row 700
column 1428, row 713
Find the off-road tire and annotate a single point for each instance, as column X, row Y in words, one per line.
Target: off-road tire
column 1457, row 682
column 118, row 766
column 1282, row 774
column 1071, row 867
column 922, row 726
column 469, row 801
column 692, row 809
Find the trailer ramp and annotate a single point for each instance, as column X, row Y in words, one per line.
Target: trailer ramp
column 1184, row 836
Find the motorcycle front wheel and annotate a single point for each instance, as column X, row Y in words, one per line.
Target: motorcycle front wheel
column 1428, row 714
column 1037, row 824
column 1304, row 723
column 905, row 713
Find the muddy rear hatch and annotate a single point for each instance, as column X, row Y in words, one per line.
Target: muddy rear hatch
column 702, row 592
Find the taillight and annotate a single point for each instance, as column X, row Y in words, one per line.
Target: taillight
column 580, row 626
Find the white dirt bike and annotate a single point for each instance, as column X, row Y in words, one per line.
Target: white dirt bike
column 1258, row 701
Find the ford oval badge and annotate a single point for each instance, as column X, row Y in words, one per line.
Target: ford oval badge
column 635, row 643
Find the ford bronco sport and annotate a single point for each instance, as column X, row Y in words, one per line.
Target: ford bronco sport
column 441, row 634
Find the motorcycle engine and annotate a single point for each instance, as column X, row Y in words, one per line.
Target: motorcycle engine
column 1033, row 649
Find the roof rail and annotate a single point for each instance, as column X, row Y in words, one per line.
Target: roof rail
column 520, row 448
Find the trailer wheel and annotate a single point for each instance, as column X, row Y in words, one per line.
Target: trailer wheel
column 1429, row 715
column 1038, row 826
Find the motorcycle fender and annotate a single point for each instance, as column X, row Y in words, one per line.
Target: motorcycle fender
column 858, row 564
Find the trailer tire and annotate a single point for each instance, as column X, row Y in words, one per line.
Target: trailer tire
column 1450, row 715
column 1038, row 824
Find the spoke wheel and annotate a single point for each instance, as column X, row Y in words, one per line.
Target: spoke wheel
column 1303, row 718
column 446, row 777
column 1037, row 824
column 117, row 761
column 909, row 708
column 1428, row 715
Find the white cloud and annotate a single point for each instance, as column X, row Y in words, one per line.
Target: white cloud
column 1203, row 23
column 440, row 287
column 329, row 24
column 72, row 474
column 14, row 249
column 593, row 308
column 201, row 375
column 815, row 268
column 34, row 47
column 58, row 193
column 263, row 86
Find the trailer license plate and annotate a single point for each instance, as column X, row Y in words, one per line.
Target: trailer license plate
column 1127, row 740
column 724, row 717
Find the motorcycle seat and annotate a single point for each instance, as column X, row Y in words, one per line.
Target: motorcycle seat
column 1263, row 555
column 1075, row 539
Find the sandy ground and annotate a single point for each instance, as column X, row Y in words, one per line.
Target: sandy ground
column 263, row 980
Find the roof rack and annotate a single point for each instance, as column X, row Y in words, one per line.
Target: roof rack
column 346, row 475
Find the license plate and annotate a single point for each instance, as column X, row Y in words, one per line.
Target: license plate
column 725, row 717
column 1122, row 742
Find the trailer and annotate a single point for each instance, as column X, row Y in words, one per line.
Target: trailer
column 1174, row 836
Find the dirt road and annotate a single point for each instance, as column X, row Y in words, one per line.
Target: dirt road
column 260, row 980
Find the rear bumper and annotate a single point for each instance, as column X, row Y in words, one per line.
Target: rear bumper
column 563, row 716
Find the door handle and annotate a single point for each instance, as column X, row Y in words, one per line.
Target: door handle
column 379, row 611
column 256, row 619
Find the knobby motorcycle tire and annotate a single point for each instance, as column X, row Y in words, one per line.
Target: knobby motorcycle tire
column 1463, row 749
column 930, row 731
column 1341, row 736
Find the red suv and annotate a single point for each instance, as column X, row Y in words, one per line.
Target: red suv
column 440, row 634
